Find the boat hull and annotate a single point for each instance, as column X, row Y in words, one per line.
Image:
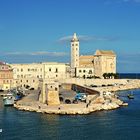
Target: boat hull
column 130, row 96
column 9, row 101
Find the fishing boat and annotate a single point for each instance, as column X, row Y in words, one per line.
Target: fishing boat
column 8, row 100
column 11, row 97
column 18, row 94
column 130, row 96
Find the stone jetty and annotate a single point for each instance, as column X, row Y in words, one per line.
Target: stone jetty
column 103, row 102
column 107, row 100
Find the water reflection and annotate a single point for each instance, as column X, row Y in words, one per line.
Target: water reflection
column 119, row 124
column 1, row 103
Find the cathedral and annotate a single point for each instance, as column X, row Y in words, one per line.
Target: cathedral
column 88, row 66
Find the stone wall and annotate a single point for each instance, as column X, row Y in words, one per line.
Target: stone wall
column 53, row 98
column 88, row 82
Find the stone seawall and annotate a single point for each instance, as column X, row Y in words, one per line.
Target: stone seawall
column 101, row 103
column 68, row 111
column 106, row 84
column 129, row 85
column 81, row 81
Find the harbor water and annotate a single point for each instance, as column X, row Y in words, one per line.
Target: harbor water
column 120, row 124
column 129, row 75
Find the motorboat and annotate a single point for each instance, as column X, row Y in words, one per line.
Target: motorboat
column 130, row 96
column 8, row 100
column 11, row 97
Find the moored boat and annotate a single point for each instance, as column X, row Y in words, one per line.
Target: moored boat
column 8, row 100
column 11, row 97
column 18, row 94
column 130, row 96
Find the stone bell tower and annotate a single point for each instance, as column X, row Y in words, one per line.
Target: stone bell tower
column 74, row 52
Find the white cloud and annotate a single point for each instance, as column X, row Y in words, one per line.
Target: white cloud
column 39, row 53
column 64, row 39
column 86, row 38
column 14, row 53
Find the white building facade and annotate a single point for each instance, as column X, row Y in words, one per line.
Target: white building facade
column 104, row 62
column 54, row 70
column 83, row 72
column 29, row 75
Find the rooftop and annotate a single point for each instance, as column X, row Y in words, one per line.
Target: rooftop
column 2, row 63
column 86, row 56
column 104, row 52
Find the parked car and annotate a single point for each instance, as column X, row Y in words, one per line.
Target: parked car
column 67, row 101
column 80, row 96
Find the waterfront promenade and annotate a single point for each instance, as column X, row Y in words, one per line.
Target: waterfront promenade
column 128, row 85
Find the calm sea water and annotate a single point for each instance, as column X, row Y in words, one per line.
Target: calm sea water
column 120, row 124
column 129, row 75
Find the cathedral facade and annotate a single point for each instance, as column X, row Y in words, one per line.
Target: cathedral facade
column 89, row 66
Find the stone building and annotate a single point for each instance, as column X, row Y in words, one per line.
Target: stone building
column 87, row 66
column 74, row 54
column 29, row 75
column 6, row 76
column 49, row 92
column 81, row 66
column 104, row 62
column 28, row 70
column 54, row 70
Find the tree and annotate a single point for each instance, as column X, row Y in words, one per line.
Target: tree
column 110, row 75
column 116, row 76
column 105, row 75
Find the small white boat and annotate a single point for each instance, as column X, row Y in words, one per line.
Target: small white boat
column 8, row 100
column 130, row 96
column 12, row 96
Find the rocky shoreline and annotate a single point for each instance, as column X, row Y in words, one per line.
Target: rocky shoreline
column 109, row 102
column 68, row 111
column 103, row 102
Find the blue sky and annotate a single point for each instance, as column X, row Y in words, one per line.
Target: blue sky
column 40, row 30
